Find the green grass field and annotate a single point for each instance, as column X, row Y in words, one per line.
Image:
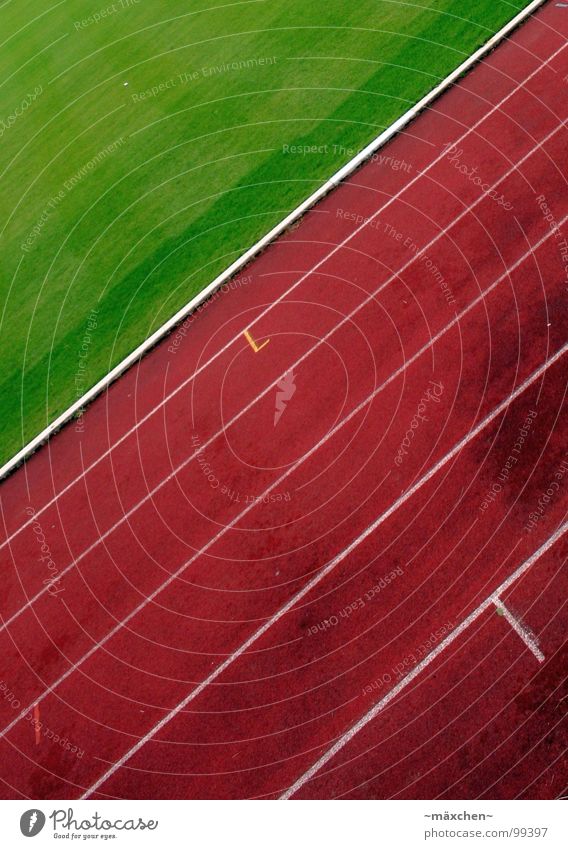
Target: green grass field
column 177, row 184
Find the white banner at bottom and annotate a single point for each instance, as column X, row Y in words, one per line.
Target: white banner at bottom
column 280, row 825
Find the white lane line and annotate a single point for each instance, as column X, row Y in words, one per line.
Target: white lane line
column 526, row 636
column 420, row 667
column 307, row 274
column 265, row 391
column 317, row 578
column 458, row 317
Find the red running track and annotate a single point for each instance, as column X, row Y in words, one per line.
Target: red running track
column 364, row 595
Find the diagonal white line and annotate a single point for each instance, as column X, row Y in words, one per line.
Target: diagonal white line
column 323, row 340
column 372, row 713
column 525, row 635
column 320, row 575
column 302, row 278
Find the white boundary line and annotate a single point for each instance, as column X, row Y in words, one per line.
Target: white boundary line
column 525, row 635
column 371, row 714
column 276, row 231
column 307, row 587
column 346, row 319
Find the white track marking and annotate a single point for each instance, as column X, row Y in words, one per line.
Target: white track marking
column 459, row 316
column 525, row 635
column 82, row 402
column 419, row 668
column 312, row 583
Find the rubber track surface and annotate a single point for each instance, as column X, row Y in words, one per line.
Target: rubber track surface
column 335, row 566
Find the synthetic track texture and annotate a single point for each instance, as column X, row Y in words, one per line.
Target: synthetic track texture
column 332, row 567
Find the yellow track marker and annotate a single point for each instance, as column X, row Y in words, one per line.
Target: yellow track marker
column 256, row 348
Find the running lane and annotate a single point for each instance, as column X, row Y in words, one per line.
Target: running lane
column 407, row 357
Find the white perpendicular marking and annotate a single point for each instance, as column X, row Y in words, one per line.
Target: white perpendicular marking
column 528, row 639
column 276, row 231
